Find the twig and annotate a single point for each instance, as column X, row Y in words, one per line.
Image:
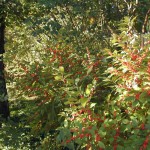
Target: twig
column 145, row 21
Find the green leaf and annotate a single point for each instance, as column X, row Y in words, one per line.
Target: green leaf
column 101, row 144
column 88, row 91
column 61, row 69
column 72, row 99
column 65, row 123
column 92, row 105
column 144, row 97
column 89, row 86
column 77, row 81
column 108, row 98
column 84, row 101
column 58, row 78
column 120, row 147
column 102, row 134
column 89, row 70
column 68, row 102
column 125, row 121
column 33, row 84
column 127, row 127
column 136, row 88
column 135, row 104
column 134, row 121
column 130, row 98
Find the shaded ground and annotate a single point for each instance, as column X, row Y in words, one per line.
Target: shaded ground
column 15, row 133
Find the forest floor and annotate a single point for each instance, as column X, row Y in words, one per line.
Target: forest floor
column 15, row 133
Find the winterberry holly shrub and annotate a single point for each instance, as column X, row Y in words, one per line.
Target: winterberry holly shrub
column 130, row 75
column 89, row 108
column 123, row 120
column 56, row 58
column 58, row 78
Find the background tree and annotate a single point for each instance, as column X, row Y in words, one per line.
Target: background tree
column 4, row 107
column 8, row 10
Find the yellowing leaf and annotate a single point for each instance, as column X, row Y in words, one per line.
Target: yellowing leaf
column 83, row 101
column 58, row 78
column 61, row 69
column 72, row 99
column 88, row 91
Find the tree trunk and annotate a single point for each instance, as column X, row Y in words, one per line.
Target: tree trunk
column 4, row 106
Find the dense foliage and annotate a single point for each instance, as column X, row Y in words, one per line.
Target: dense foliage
column 77, row 73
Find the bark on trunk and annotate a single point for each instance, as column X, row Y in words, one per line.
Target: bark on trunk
column 4, row 106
